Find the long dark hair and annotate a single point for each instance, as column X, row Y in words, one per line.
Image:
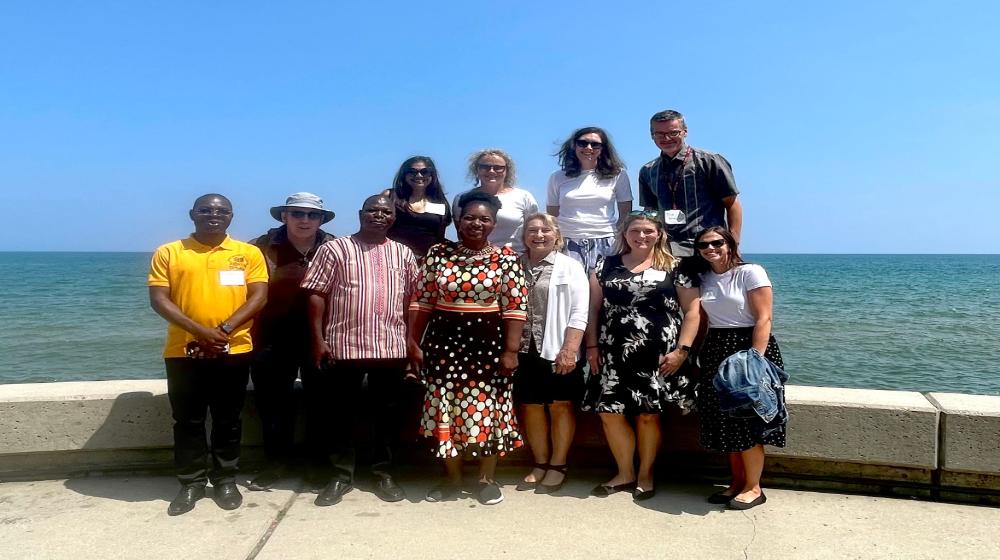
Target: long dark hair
column 609, row 165
column 403, row 190
column 695, row 264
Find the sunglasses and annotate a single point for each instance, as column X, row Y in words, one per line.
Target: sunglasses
column 668, row 134
column 584, row 144
column 648, row 214
column 299, row 214
column 205, row 211
column 426, row 172
column 715, row 244
column 488, row 167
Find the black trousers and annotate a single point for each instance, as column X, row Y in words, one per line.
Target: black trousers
column 273, row 371
column 359, row 412
column 195, row 388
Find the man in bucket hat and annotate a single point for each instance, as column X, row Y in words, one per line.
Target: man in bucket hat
column 282, row 331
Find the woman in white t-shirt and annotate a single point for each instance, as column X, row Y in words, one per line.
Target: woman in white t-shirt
column 494, row 172
column 737, row 300
column 590, row 195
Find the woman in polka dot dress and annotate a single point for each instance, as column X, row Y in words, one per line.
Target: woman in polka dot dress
column 469, row 310
column 736, row 297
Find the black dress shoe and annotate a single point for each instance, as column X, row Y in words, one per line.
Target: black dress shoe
column 639, row 494
column 227, row 496
column 738, row 505
column 388, row 491
column 184, row 501
column 605, row 490
column 333, row 493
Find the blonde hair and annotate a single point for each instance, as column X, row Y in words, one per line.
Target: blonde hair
column 662, row 258
column 508, row 180
column 548, row 220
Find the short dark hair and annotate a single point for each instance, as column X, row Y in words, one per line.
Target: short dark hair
column 209, row 196
column 696, row 264
column 478, row 196
column 668, row 115
column 403, row 190
column 609, row 165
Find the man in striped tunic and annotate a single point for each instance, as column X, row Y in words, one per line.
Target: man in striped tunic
column 359, row 289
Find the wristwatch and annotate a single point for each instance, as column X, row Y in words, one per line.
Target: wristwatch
column 686, row 348
column 226, row 327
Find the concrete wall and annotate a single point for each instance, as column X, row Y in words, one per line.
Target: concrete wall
column 894, row 441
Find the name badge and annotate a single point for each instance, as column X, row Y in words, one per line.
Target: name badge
column 231, row 278
column 651, row 275
column 434, row 208
column 674, row 217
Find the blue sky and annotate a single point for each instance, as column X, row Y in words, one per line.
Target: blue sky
column 870, row 128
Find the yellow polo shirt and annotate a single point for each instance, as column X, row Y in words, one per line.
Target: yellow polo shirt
column 208, row 284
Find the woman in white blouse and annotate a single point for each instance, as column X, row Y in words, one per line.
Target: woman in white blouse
column 548, row 384
column 494, row 172
column 590, row 194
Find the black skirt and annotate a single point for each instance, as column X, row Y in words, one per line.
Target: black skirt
column 719, row 431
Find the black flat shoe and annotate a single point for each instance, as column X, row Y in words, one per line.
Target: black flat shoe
column 333, row 493
column 524, row 485
column 640, row 495
column 185, row 500
column 550, row 488
column 605, row 490
column 227, row 496
column 264, row 480
column 388, row 491
column 720, row 498
column 738, row 505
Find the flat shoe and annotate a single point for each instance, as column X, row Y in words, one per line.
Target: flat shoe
column 388, row 491
column 185, row 500
column 720, row 498
column 738, row 505
column 641, row 495
column 333, row 493
column 264, row 480
column 524, row 485
column 605, row 490
column 551, row 488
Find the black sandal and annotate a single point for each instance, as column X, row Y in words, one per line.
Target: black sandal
column 550, row 488
column 524, row 485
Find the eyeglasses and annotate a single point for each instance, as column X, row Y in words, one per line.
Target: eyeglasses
column 299, row 214
column 488, row 167
column 206, row 211
column 425, row 172
column 584, row 144
column 715, row 244
column 668, row 134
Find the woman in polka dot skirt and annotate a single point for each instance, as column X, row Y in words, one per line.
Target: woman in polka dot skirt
column 465, row 329
column 737, row 298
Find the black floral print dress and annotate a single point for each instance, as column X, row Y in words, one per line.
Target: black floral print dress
column 640, row 320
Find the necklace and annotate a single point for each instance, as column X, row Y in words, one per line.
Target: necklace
column 488, row 248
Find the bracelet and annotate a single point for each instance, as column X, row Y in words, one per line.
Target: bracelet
column 589, row 347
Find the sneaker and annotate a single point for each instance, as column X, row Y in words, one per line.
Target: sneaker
column 489, row 493
column 442, row 493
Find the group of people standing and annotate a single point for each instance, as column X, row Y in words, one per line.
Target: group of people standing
column 500, row 326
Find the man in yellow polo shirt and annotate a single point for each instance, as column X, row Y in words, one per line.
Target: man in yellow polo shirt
column 208, row 287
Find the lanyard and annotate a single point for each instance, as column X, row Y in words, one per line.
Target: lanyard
column 678, row 177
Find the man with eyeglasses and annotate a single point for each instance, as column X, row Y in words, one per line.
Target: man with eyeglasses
column 693, row 189
column 281, row 333
column 208, row 287
column 359, row 288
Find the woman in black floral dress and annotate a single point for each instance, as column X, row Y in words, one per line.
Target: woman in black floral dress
column 637, row 342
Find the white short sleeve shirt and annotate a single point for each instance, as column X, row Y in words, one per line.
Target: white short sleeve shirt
column 724, row 296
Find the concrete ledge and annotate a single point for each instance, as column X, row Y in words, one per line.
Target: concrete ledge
column 868, row 441
column 970, row 432
column 893, row 428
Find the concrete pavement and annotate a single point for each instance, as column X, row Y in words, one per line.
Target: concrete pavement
column 125, row 517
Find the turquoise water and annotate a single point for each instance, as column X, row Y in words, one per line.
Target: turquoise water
column 913, row 322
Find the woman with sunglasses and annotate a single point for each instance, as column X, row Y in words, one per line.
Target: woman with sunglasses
column 422, row 211
column 643, row 320
column 737, row 298
column 590, row 195
column 493, row 171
